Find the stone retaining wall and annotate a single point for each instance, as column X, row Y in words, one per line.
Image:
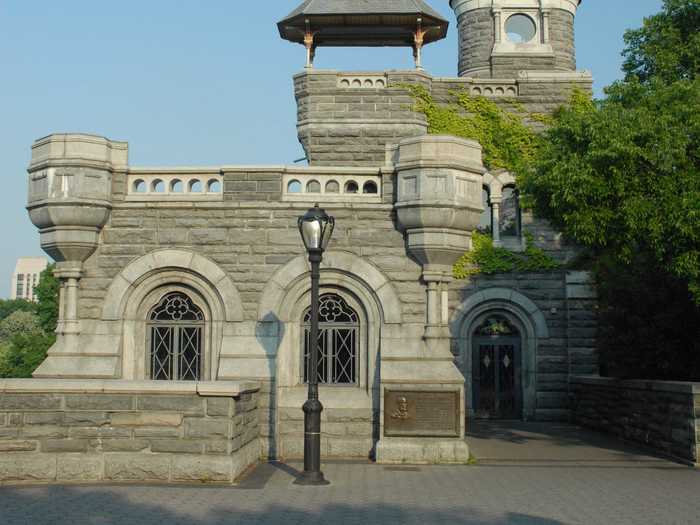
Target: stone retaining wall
column 127, row 431
column 663, row 415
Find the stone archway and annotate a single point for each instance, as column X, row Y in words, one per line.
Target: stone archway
column 531, row 325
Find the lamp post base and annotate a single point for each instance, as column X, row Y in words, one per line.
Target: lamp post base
column 311, row 478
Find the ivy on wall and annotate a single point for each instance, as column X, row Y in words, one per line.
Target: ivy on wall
column 508, row 143
column 488, row 259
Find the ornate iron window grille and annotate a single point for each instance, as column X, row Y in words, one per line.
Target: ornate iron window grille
column 176, row 328
column 337, row 340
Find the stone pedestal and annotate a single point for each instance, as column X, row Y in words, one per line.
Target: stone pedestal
column 438, row 206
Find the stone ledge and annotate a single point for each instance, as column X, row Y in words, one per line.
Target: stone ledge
column 638, row 384
column 202, row 388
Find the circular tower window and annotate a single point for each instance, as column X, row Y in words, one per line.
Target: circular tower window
column 520, row 29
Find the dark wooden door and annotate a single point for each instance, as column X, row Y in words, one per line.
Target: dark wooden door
column 497, row 390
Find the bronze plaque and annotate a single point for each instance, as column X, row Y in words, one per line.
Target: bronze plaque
column 421, row 413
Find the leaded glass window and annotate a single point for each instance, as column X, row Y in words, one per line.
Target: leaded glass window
column 176, row 338
column 338, row 341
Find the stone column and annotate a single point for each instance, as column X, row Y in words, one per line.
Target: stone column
column 496, row 201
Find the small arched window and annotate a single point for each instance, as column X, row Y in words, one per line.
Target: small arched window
column 313, row 187
column 213, row 186
column 294, row 186
column 195, row 186
column 510, row 213
column 332, row 186
column 176, row 329
column 338, row 342
column 486, row 220
column 351, row 187
column 158, row 186
column 140, row 186
column 370, row 187
column 176, row 186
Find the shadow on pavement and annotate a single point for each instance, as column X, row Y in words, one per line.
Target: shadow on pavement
column 58, row 505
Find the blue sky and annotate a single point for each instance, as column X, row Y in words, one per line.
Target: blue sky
column 192, row 83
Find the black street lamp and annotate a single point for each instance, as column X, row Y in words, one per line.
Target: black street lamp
column 316, row 228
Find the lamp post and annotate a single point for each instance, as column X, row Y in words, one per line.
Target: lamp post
column 316, row 228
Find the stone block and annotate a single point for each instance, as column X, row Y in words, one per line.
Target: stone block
column 202, row 468
column 136, row 467
column 217, row 447
column 29, row 402
column 176, row 446
column 27, row 467
column 43, row 431
column 85, row 419
column 219, row 406
column 190, row 405
column 206, row 428
column 17, row 446
column 82, row 468
column 98, row 402
column 157, row 432
column 98, row 432
column 123, row 445
column 43, row 418
column 64, row 445
column 146, row 419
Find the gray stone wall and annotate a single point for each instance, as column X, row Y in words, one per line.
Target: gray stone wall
column 350, row 127
column 658, row 414
column 562, row 38
column 476, row 37
column 127, row 437
column 250, row 242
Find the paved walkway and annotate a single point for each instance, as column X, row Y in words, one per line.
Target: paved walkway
column 590, row 484
column 516, row 442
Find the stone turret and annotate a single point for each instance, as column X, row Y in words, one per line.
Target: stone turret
column 70, row 187
column 499, row 38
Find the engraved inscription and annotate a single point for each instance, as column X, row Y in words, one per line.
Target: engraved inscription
column 421, row 413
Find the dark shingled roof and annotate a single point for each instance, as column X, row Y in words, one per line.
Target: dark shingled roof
column 363, row 22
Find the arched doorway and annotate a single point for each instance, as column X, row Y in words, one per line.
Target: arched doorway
column 497, row 368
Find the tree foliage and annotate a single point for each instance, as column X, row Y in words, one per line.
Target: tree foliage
column 28, row 333
column 622, row 177
column 667, row 47
column 9, row 306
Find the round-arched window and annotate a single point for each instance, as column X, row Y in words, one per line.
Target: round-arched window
column 176, row 186
column 351, row 187
column 332, row 186
column 176, row 329
column 213, row 186
column 370, row 187
column 294, row 186
column 338, row 341
column 313, row 187
column 510, row 216
column 195, row 186
column 158, row 186
column 520, row 29
column 139, row 186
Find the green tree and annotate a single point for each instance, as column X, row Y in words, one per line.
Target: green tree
column 46, row 293
column 26, row 336
column 9, row 306
column 667, row 47
column 621, row 176
column 19, row 323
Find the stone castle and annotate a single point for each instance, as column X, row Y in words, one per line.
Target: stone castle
column 183, row 338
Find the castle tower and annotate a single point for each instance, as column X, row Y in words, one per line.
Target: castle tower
column 500, row 38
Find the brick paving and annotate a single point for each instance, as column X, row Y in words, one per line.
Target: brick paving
column 365, row 494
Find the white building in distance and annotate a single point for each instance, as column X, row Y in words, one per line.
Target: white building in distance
column 26, row 277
